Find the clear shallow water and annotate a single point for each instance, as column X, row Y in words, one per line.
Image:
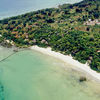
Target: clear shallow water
column 10, row 8
column 30, row 75
column 4, row 52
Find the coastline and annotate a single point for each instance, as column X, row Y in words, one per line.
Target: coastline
column 69, row 60
column 9, row 14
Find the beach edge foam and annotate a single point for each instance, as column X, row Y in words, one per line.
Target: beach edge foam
column 69, row 60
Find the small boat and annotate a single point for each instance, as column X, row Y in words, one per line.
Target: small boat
column 15, row 50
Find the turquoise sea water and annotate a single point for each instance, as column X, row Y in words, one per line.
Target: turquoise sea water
column 30, row 75
column 10, row 8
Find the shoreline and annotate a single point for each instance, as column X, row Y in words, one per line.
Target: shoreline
column 69, row 60
column 24, row 11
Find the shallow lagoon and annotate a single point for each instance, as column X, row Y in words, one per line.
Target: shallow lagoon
column 30, row 75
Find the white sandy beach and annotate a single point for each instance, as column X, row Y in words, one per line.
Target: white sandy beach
column 69, row 60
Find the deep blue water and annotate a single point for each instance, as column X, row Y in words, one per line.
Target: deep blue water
column 10, row 8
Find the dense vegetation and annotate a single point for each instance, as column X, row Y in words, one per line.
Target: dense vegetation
column 61, row 28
